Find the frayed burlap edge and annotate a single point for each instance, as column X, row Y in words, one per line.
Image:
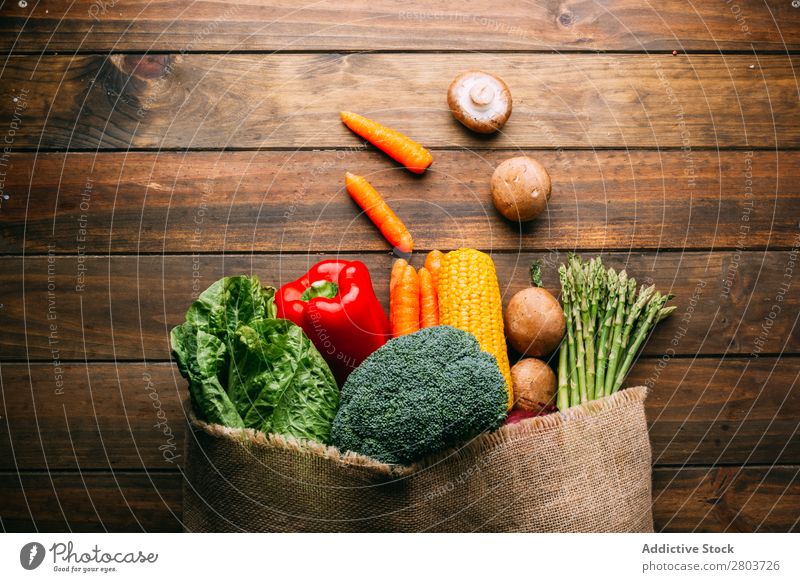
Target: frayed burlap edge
column 253, row 438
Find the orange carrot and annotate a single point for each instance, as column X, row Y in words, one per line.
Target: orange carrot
column 432, row 262
column 428, row 302
column 404, row 305
column 403, row 149
column 391, row 227
column 397, row 269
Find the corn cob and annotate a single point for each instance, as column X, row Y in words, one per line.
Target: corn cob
column 469, row 299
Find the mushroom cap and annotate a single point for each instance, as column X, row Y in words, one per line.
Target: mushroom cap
column 520, row 188
column 479, row 100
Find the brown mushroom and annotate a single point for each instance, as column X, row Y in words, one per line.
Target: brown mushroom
column 480, row 101
column 520, row 188
column 534, row 322
column 535, row 385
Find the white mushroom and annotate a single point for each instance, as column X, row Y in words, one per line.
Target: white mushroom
column 480, row 101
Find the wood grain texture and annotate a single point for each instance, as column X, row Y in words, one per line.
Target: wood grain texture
column 92, row 416
column 290, row 101
column 122, row 307
column 131, row 416
column 203, row 202
column 67, row 25
column 727, row 499
column 698, row 499
column 722, row 411
column 90, row 502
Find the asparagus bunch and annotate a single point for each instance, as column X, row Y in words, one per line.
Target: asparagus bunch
column 608, row 320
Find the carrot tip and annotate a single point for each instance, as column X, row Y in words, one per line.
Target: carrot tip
column 402, row 253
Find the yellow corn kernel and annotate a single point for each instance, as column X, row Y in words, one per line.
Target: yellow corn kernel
column 469, row 299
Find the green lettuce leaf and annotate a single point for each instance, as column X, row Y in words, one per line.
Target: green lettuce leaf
column 247, row 369
column 201, row 356
column 280, row 381
column 230, row 302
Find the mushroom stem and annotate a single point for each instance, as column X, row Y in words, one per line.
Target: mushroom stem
column 482, row 94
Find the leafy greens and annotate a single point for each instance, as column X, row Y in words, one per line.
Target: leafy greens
column 247, row 369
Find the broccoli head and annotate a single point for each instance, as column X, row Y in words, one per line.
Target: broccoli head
column 419, row 394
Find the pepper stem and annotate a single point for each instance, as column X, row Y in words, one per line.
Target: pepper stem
column 321, row 288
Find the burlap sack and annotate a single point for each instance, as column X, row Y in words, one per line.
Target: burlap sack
column 584, row 470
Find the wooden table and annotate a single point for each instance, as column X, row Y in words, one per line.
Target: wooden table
column 154, row 147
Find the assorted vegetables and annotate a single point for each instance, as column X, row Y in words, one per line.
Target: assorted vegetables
column 436, row 371
column 608, row 320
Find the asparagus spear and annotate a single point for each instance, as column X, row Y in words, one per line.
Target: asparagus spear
column 665, row 312
column 645, row 294
column 580, row 348
column 653, row 309
column 630, row 300
column 563, row 383
column 599, row 301
column 599, row 290
column 601, row 295
column 588, row 305
column 572, row 373
column 605, row 332
column 585, row 342
column 614, row 353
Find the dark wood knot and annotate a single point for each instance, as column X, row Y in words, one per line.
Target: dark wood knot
column 146, row 66
column 566, row 19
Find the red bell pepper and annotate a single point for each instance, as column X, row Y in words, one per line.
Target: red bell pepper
column 336, row 306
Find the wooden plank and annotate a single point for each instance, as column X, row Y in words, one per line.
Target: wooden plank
column 90, row 502
column 713, row 411
column 292, row 101
column 727, row 499
column 68, row 25
column 692, row 499
column 122, row 307
column 293, row 201
column 130, row 416
column 96, row 416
